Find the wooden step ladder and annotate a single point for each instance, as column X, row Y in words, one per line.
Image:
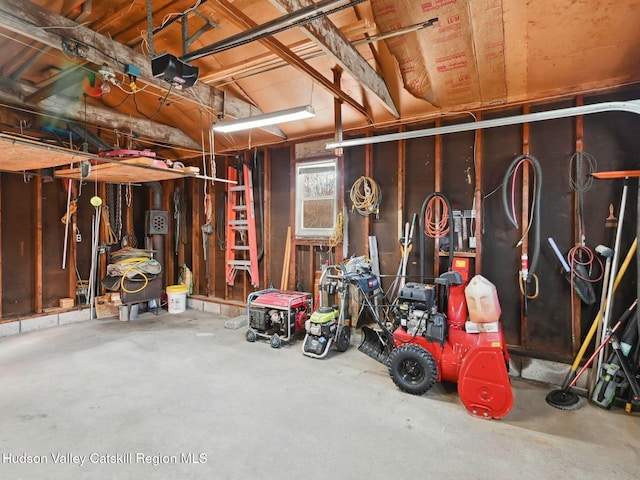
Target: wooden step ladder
column 242, row 248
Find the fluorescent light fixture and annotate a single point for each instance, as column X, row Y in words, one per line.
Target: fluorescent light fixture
column 265, row 119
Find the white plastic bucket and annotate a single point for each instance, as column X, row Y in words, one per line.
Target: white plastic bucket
column 482, row 300
column 177, row 298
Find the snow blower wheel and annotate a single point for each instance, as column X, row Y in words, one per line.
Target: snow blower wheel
column 413, row 369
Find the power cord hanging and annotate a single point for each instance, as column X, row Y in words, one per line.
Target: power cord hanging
column 366, row 196
column 436, row 227
column 336, row 237
column 444, row 226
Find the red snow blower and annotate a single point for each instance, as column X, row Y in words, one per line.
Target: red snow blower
column 427, row 345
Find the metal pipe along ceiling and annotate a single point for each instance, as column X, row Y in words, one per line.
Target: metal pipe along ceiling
column 276, row 25
column 632, row 106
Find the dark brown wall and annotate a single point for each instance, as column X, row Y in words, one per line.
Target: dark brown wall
column 385, row 228
column 419, row 183
column 55, row 281
column 18, row 244
column 280, row 191
column 546, row 329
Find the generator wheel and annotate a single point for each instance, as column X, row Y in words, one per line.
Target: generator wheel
column 251, row 336
column 344, row 339
column 275, row 341
column 412, row 369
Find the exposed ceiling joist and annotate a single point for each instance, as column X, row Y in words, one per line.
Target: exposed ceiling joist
column 105, row 118
column 58, row 107
column 283, row 52
column 32, row 21
column 323, row 32
column 305, row 49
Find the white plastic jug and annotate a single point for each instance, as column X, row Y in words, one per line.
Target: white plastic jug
column 482, row 300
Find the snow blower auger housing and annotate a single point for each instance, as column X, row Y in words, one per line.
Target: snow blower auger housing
column 277, row 315
column 327, row 326
column 428, row 346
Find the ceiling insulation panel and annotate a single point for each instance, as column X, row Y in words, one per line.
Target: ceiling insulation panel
column 459, row 60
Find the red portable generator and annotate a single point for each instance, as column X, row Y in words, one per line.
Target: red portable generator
column 277, row 314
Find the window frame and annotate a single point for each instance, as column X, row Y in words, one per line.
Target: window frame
column 308, row 232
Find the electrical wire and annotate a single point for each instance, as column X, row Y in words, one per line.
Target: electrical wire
column 162, row 102
column 581, row 167
column 366, row 196
column 336, row 237
column 584, row 256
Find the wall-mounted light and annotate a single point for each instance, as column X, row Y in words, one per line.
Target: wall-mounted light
column 265, row 119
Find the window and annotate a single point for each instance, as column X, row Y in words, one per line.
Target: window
column 316, row 198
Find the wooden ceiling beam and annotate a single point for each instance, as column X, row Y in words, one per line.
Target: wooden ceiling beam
column 305, row 49
column 238, row 17
column 14, row 93
column 323, row 32
column 36, row 23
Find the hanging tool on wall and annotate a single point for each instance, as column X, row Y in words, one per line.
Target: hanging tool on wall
column 527, row 278
column 118, row 213
column 180, row 220
column 72, row 206
column 111, row 215
column 129, row 239
column 436, row 221
column 207, row 229
column 208, row 166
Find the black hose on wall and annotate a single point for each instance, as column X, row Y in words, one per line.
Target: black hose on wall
column 535, row 208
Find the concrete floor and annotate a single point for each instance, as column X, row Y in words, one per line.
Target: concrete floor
column 135, row 399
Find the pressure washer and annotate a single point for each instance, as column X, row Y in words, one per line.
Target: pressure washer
column 328, row 324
